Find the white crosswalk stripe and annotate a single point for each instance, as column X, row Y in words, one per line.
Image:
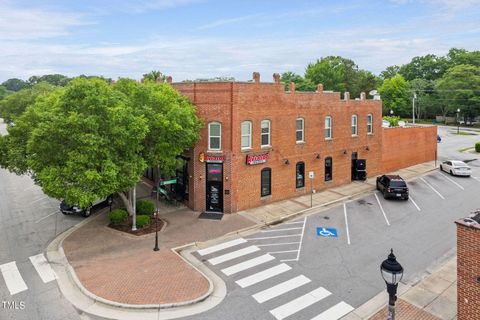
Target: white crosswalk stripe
column 221, row 246
column 13, row 278
column 233, row 255
column 300, row 303
column 43, row 268
column 247, row 264
column 335, row 312
column 280, row 289
column 263, row 275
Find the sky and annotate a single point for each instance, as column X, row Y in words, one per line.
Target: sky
column 192, row 39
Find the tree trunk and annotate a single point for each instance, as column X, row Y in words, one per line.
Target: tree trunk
column 126, row 202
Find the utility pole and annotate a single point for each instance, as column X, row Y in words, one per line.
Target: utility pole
column 413, row 107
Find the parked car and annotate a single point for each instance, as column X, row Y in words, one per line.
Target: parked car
column 86, row 212
column 456, row 168
column 392, row 186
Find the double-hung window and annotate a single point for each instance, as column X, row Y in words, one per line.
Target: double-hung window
column 354, row 125
column 369, row 124
column 328, row 127
column 265, row 135
column 214, row 136
column 246, row 142
column 299, row 133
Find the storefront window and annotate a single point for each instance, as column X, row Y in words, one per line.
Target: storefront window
column 328, row 169
column 300, row 175
column 266, row 182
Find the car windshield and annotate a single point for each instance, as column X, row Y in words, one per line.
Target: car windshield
column 459, row 164
column 397, row 184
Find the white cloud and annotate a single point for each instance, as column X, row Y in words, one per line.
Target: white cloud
column 35, row 23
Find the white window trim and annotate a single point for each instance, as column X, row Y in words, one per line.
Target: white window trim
column 370, row 117
column 330, row 136
column 303, row 130
column 244, row 135
column 356, row 125
column 210, row 136
column 262, row 134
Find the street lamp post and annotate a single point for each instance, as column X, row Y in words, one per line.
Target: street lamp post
column 156, row 220
column 458, row 121
column 392, row 273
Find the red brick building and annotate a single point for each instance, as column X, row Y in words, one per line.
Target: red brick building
column 468, row 268
column 260, row 142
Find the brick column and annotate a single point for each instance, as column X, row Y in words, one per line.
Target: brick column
column 468, row 268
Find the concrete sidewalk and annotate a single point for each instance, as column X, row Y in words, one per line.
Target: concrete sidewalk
column 121, row 277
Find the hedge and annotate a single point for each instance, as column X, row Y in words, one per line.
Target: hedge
column 145, row 207
column 143, row 221
column 477, row 146
column 118, row 216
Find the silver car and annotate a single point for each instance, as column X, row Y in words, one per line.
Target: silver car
column 456, row 168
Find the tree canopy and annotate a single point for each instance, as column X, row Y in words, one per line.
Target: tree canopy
column 15, row 84
column 396, row 96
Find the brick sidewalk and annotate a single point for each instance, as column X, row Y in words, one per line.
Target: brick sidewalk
column 405, row 311
column 124, row 268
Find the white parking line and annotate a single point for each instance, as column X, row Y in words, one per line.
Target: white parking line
column 42, row 198
column 300, row 303
column 221, row 246
column 346, row 221
column 286, row 251
column 277, row 230
column 295, row 222
column 276, row 244
column 335, row 312
column 414, row 203
column 43, row 268
column 381, row 208
column 431, row 187
column 455, row 183
column 46, row 216
column 274, row 237
column 301, row 238
column 247, row 264
column 280, row 289
column 476, row 178
column 13, row 278
column 233, row 255
column 263, row 275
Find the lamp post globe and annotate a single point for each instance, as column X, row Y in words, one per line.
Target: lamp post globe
column 458, row 121
column 391, row 112
column 392, row 273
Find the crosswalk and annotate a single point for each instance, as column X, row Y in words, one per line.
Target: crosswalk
column 259, row 270
column 14, row 280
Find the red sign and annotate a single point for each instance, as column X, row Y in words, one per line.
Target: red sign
column 257, row 158
column 202, row 157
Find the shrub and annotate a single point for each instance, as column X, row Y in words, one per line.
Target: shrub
column 118, row 216
column 143, row 221
column 145, row 207
column 477, row 146
column 393, row 120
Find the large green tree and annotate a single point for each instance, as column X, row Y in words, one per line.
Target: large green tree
column 301, row 84
column 15, row 104
column 15, row 84
column 3, row 92
column 395, row 94
column 54, row 79
column 460, row 89
column 428, row 67
column 155, row 76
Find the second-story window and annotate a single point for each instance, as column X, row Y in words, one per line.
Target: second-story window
column 300, row 175
column 369, row 124
column 354, row 125
column 214, row 136
column 299, row 134
column 246, row 135
column 328, row 127
column 265, row 138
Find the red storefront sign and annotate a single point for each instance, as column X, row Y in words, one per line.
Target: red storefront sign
column 257, row 158
column 202, row 157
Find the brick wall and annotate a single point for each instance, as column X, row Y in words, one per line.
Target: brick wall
column 404, row 147
column 468, row 271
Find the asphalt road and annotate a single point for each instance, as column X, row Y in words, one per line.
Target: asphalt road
column 29, row 220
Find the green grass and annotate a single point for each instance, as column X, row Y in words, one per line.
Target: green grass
column 463, row 133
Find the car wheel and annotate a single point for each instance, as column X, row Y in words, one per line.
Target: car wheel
column 451, row 172
column 384, row 195
column 406, row 198
column 441, row 168
column 87, row 212
column 65, row 213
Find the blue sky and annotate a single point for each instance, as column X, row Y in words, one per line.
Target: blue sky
column 190, row 39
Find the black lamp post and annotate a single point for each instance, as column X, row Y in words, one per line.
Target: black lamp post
column 458, row 121
column 156, row 221
column 392, row 273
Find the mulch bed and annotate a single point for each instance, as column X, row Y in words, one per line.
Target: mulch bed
column 127, row 226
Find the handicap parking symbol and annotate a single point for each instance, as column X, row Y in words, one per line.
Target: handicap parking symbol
column 326, row 232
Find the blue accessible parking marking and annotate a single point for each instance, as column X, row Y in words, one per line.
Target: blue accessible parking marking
column 326, row 232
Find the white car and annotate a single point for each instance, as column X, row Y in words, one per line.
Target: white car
column 456, row 168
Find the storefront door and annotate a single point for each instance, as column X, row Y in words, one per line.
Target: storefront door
column 214, row 187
